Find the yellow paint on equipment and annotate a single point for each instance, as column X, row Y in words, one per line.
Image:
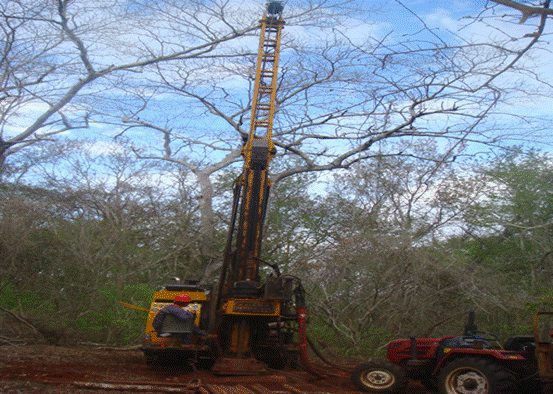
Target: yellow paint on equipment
column 166, row 297
column 133, row 306
column 252, row 307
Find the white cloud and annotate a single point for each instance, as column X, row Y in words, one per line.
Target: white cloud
column 443, row 19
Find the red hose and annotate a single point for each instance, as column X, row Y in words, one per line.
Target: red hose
column 302, row 338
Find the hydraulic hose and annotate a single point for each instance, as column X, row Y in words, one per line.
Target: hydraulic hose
column 301, row 312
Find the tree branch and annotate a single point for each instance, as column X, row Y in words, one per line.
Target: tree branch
column 527, row 11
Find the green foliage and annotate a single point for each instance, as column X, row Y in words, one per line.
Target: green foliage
column 12, row 299
column 514, row 222
column 109, row 321
column 333, row 342
column 69, row 255
column 292, row 216
column 370, row 252
column 542, row 300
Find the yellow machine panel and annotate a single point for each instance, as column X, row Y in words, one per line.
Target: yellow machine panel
column 166, row 297
column 252, row 307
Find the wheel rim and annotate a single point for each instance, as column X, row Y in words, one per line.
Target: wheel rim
column 378, row 379
column 467, row 381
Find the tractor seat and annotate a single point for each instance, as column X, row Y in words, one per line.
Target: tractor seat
column 519, row 343
column 174, row 327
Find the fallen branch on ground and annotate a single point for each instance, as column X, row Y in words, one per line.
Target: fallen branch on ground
column 22, row 320
column 119, row 349
column 11, row 340
column 192, row 389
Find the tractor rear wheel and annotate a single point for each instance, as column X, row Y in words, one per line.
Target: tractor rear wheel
column 379, row 377
column 472, row 375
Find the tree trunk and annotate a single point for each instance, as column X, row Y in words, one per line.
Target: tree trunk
column 207, row 225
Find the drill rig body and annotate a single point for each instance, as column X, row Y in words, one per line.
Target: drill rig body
column 254, row 314
column 251, row 313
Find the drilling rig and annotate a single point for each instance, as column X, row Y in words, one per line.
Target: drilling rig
column 254, row 310
column 254, row 314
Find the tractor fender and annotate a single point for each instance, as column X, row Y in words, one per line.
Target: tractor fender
column 499, row 355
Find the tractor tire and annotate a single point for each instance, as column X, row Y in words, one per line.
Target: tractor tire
column 472, row 375
column 379, row 377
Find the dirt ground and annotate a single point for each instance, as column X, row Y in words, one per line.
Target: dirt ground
column 30, row 369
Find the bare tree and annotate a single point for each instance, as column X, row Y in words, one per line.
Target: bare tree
column 175, row 79
column 70, row 65
column 383, row 269
column 342, row 99
column 61, row 57
column 527, row 10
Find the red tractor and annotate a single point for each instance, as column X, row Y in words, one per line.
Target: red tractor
column 473, row 363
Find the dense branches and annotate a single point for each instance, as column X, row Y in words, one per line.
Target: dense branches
column 76, row 51
column 394, row 247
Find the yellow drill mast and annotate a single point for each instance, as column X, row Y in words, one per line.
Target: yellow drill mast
column 259, row 148
column 246, row 306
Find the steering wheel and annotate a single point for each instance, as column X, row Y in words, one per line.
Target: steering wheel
column 485, row 337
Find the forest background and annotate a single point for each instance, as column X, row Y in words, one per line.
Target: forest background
column 412, row 181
